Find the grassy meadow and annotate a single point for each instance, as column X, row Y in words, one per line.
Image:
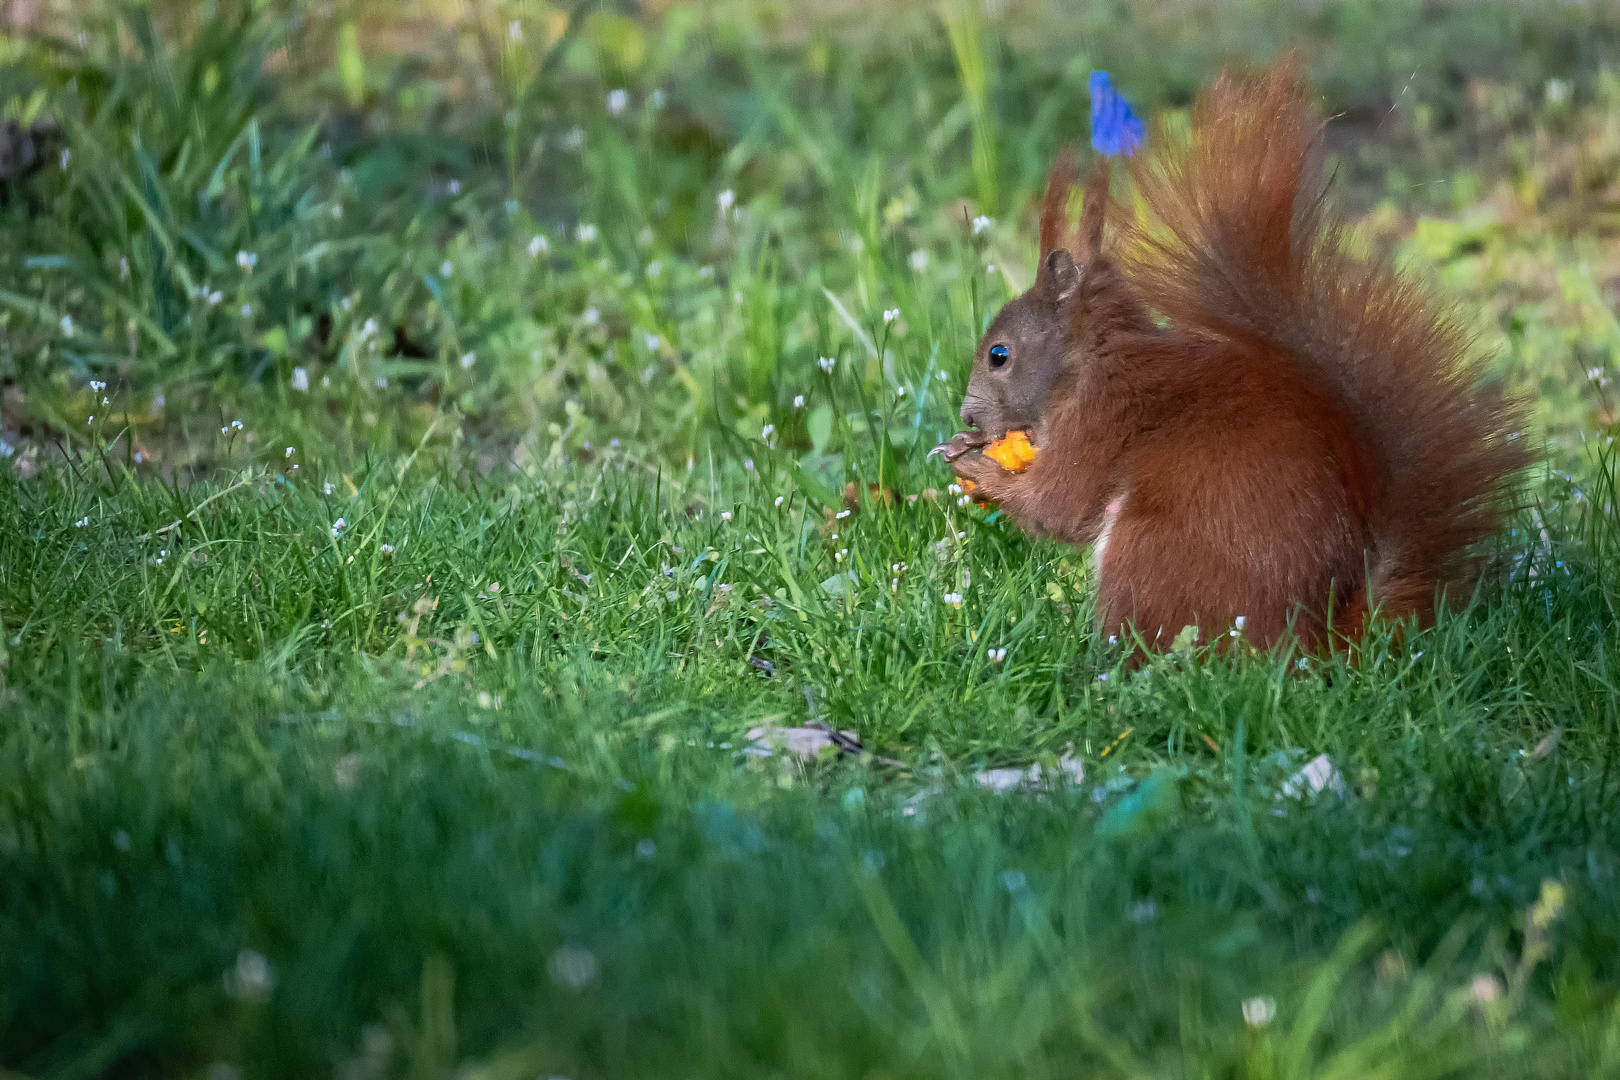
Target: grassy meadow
column 447, row 448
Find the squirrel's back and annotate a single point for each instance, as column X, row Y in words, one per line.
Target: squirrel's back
column 1238, row 244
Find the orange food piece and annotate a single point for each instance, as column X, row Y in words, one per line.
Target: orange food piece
column 1014, row 452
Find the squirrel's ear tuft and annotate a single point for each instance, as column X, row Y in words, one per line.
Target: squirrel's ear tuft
column 1094, row 211
column 1055, row 208
column 1058, row 277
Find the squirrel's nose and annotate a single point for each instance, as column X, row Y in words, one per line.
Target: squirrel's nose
column 967, row 414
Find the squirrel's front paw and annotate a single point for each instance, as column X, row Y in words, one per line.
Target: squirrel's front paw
column 980, row 477
column 959, row 444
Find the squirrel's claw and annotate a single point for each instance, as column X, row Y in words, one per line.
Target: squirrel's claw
column 960, row 444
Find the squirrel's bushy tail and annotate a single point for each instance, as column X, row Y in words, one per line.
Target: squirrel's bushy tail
column 1238, row 242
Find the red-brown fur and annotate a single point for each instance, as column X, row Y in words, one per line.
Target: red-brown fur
column 1295, row 438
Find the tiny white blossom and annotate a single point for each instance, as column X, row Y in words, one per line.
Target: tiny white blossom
column 382, row 382
column 725, row 199
column 538, row 246
column 236, row 424
column 767, row 431
column 1239, row 621
column 748, row 463
column 725, row 515
column 705, row 272
column 954, row 599
column 468, row 360
column 981, row 223
column 798, row 401
column 454, row 187
column 369, row 328
column 290, row 452
column 964, row 500
column 574, row 139
column 514, row 31
column 586, row 234
column 841, row 515
column 337, row 210
column 617, row 100
column 996, row 656
column 215, row 297
column 300, row 380
column 1259, row 1011
column 954, row 489
column 779, row 500
column 651, row 341
column 386, row 549
column 82, row 522
column 890, row 314
column 67, row 326
column 827, row 363
column 919, row 260
column 654, row 268
column 839, row 555
column 97, row 386
column 900, row 391
column 1103, row 677
column 592, row 316
column 339, row 525
column 447, row 268
column 247, row 260
column 328, row 487
column 247, row 311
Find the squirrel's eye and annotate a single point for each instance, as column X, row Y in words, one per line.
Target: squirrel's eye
column 998, row 355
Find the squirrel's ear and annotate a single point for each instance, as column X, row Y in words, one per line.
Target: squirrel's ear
column 1094, row 211
column 1055, row 207
column 1059, row 277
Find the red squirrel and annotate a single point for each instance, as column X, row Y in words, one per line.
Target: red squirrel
column 1255, row 427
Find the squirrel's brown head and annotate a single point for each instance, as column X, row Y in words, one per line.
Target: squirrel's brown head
column 1029, row 341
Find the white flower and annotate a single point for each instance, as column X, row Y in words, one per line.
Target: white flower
column 82, row 522
column 247, row 311
column 538, row 246
column 215, row 297
column 827, row 363
column 981, row 223
column 767, row 431
column 989, row 268
column 382, row 382
column 328, row 487
column 651, row 341
column 447, row 268
column 725, row 515
column 725, row 199
column 996, row 655
column 514, row 31
column 468, row 360
column 290, row 452
column 592, row 316
column 386, row 549
column 900, row 391
column 839, row 555
column 251, row 978
column 1103, row 677
column 841, row 515
column 654, row 268
column 798, row 401
column 1484, row 989
column 954, row 489
column 300, row 380
column 1259, row 1011
column 890, row 315
column 236, row 424
column 67, row 326
column 339, row 525
column 954, row 599
column 247, row 260
column 337, row 210
column 586, row 234
column 574, row 138
column 778, row 500
column 964, row 500
column 748, row 463
column 617, row 100
column 1239, row 621
column 369, row 328
column 97, row 386
column 919, row 260
column 705, row 272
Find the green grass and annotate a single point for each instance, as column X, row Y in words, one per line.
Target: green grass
column 371, row 713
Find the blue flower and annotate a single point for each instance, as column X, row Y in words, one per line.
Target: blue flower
column 1114, row 128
